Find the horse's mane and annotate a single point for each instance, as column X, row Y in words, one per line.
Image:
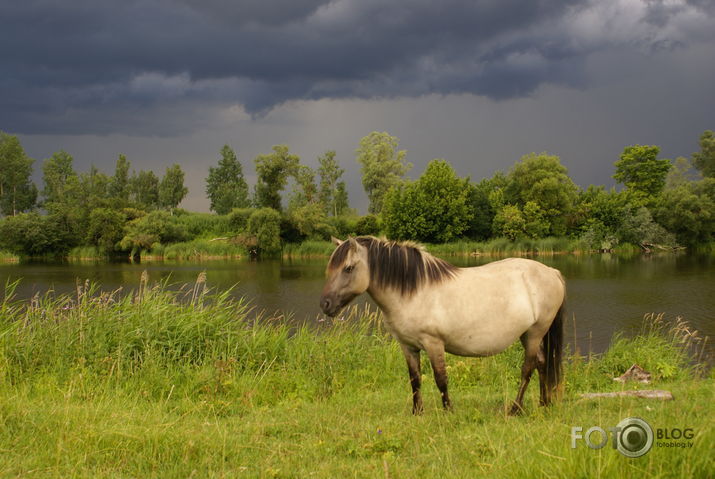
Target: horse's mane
column 403, row 266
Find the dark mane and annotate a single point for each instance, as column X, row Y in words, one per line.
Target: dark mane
column 401, row 266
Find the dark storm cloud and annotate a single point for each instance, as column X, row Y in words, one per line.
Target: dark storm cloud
column 162, row 67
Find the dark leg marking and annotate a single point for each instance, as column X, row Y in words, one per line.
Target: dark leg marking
column 413, row 366
column 439, row 367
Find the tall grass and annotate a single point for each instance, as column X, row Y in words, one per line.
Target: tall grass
column 6, row 257
column 505, row 246
column 195, row 250
column 308, row 248
column 187, row 383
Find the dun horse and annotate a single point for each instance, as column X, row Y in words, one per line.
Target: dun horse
column 430, row 305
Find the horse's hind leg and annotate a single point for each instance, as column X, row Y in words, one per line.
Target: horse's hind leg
column 435, row 351
column 531, row 353
column 413, row 366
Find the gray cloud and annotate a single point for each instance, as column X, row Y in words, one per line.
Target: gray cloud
column 166, row 67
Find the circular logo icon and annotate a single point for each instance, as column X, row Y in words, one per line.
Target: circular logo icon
column 635, row 437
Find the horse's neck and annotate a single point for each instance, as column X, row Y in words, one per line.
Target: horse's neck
column 387, row 299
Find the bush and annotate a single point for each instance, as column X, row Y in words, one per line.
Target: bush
column 29, row 234
column 238, row 219
column 367, row 225
column 106, row 228
column 156, row 227
column 204, row 224
column 265, row 225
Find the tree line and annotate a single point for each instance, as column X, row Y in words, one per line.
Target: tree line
column 662, row 201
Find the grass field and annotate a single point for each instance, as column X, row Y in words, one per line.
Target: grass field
column 183, row 384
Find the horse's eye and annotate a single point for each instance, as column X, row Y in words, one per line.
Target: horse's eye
column 349, row 269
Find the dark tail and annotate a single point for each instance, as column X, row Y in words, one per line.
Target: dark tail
column 553, row 346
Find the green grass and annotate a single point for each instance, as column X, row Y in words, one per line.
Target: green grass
column 183, row 384
column 308, row 248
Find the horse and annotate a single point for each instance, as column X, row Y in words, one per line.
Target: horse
column 430, row 305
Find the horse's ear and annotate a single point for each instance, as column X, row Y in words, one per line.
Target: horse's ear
column 335, row 241
column 353, row 243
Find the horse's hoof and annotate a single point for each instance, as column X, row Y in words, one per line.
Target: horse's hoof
column 516, row 410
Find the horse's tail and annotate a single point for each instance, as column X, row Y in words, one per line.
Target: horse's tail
column 553, row 347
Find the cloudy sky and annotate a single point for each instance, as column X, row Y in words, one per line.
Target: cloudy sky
column 478, row 82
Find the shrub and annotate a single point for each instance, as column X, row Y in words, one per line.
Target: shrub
column 265, row 225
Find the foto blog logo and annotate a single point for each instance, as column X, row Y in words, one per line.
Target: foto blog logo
column 632, row 437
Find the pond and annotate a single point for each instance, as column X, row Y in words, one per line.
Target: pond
column 606, row 293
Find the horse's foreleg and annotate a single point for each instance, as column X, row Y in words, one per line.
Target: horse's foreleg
column 435, row 351
column 413, row 366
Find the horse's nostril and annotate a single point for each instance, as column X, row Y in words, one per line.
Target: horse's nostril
column 325, row 304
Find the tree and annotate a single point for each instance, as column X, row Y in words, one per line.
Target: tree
column 171, row 188
column 93, row 188
column 330, row 172
column 144, row 188
column 225, row 186
column 688, row 211
column 304, row 192
column 273, row 171
column 383, row 166
column 340, row 200
column 119, row 183
column 509, row 221
column 704, row 160
column 433, row 209
column 543, row 180
column 61, row 182
column 681, row 173
column 17, row 191
column 641, row 172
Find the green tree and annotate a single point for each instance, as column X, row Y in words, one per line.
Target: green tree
column 273, row 171
column 171, row 188
column 433, row 209
column 681, row 173
column 226, row 187
column 340, row 200
column 383, row 166
column 144, row 188
column 509, row 222
column 330, row 172
column 704, row 160
column 61, row 183
column 119, row 187
column 543, row 180
column 17, row 191
column 688, row 211
column 305, row 191
column 93, row 189
column 641, row 172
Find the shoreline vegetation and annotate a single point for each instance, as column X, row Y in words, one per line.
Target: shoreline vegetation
column 184, row 383
column 534, row 208
column 224, row 248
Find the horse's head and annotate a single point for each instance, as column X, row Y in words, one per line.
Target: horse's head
column 348, row 276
